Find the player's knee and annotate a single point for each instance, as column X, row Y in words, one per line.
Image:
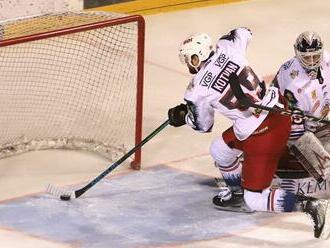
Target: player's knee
column 275, row 200
column 222, row 153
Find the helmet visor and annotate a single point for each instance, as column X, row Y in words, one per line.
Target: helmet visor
column 310, row 60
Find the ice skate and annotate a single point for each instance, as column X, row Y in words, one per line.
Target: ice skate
column 228, row 200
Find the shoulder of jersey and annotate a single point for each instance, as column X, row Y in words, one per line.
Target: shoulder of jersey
column 326, row 58
column 290, row 71
column 288, row 64
column 238, row 33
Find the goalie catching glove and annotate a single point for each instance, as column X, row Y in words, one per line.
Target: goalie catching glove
column 177, row 115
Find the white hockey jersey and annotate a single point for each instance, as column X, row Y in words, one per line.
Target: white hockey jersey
column 306, row 94
column 209, row 89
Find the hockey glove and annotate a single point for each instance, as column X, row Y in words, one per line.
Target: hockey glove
column 177, row 115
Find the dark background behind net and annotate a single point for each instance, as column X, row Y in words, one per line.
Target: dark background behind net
column 99, row 3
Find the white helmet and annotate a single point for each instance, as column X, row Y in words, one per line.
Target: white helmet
column 199, row 45
column 309, row 50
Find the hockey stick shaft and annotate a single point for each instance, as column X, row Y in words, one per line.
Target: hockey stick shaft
column 286, row 112
column 245, row 101
column 82, row 190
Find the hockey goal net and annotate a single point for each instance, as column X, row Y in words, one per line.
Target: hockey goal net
column 72, row 81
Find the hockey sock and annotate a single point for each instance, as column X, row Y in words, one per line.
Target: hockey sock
column 231, row 174
column 271, row 200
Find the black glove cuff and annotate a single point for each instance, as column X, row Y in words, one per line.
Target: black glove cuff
column 177, row 115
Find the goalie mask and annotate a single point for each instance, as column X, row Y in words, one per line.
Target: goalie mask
column 309, row 51
column 194, row 50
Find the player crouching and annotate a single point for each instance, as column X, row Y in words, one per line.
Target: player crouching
column 222, row 81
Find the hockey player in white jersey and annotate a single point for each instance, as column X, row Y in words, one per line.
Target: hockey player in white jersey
column 304, row 80
column 220, row 76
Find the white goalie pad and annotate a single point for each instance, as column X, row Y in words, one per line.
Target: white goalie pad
column 323, row 134
column 311, row 152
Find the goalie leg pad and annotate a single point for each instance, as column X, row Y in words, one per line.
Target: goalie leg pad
column 310, row 152
column 323, row 134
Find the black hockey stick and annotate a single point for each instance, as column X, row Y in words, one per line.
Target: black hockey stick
column 66, row 195
column 245, row 101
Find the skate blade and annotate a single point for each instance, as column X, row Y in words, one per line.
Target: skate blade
column 235, row 209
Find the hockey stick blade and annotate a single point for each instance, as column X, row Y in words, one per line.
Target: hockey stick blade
column 67, row 195
column 61, row 193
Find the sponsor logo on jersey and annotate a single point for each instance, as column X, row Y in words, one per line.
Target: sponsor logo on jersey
column 300, row 90
column 221, row 60
column 294, row 74
column 261, row 130
column 222, row 80
column 313, row 94
column 287, row 64
column 207, row 79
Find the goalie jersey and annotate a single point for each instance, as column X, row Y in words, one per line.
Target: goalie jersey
column 209, row 90
column 304, row 93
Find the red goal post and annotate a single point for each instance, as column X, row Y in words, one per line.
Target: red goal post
column 72, row 80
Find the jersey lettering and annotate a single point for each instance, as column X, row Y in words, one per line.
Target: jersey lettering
column 221, row 60
column 221, row 82
column 250, row 82
column 206, row 79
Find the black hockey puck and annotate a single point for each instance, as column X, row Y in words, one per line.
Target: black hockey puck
column 65, row 197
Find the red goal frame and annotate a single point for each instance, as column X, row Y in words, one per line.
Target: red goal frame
column 136, row 163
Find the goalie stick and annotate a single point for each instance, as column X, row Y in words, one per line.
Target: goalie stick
column 245, row 101
column 66, row 195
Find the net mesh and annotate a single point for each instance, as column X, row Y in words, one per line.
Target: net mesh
column 75, row 91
